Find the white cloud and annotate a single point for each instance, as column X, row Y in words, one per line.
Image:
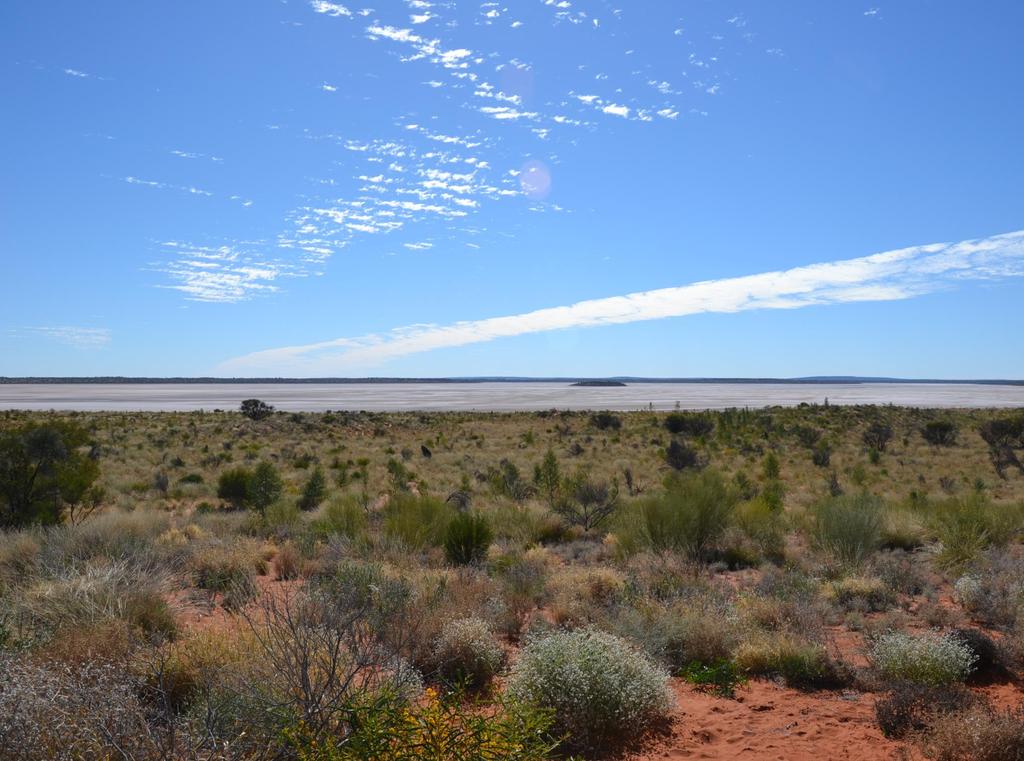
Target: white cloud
column 221, row 274
column 75, row 73
column 328, row 88
column 892, row 275
column 73, row 335
column 616, row 110
column 330, row 9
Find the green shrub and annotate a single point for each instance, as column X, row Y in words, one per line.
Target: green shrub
column 417, row 521
column 969, row 525
column 467, row 653
column 602, row 691
column 342, row 515
column 940, row 433
column 467, row 538
column 848, row 528
column 265, row 487
column 719, row 678
column 689, row 424
column 689, row 516
column 680, row 456
column 314, row 491
column 802, row 664
column 229, row 571
column 862, row 593
column 931, row 659
column 45, row 471
column 386, row 727
column 233, row 486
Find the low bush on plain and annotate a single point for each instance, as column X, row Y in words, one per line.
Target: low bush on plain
column 602, row 691
column 467, row 653
column 931, row 659
column 848, row 528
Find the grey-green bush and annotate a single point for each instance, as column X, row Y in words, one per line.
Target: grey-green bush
column 603, row 691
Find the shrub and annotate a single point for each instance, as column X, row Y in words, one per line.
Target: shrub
column 1004, row 437
column 682, row 634
column 466, row 652
column 467, row 538
column 877, row 436
column 993, row 593
column 848, row 528
column 689, row 516
column 314, row 491
column 265, row 486
column 910, row 708
column 585, row 503
column 43, row 471
column 103, row 591
column 229, row 571
column 286, row 562
column 802, row 664
column 861, row 593
column 931, row 659
column 417, row 521
column 233, row 486
column 341, row 515
column 940, row 433
column 254, row 409
column 602, row 691
column 680, row 457
column 689, row 424
column 387, row 728
column 720, row 678
column 606, row 421
column 976, row 734
column 988, row 660
column 56, row 711
column 970, row 525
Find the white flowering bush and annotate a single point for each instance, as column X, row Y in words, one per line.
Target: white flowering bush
column 969, row 591
column 603, row 691
column 931, row 659
column 468, row 652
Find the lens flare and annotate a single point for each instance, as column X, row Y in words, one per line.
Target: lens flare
column 535, row 179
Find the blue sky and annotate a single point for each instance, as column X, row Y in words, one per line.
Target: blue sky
column 529, row 188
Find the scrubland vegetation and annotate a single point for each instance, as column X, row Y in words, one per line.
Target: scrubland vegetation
column 319, row 587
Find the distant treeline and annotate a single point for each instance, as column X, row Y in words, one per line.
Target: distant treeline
column 117, row 379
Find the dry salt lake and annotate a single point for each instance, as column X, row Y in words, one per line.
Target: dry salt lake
column 495, row 396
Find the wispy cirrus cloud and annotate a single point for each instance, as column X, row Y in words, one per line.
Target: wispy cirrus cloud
column 73, row 335
column 223, row 274
column 888, row 276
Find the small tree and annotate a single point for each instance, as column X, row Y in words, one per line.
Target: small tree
column 255, row 409
column 605, row 421
column 315, row 490
column 546, row 475
column 877, row 436
column 586, row 503
column 43, row 470
column 467, row 538
column 266, row 486
column 234, row 486
column 1004, row 436
column 940, row 433
column 679, row 456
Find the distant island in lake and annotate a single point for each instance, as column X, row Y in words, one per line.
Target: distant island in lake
column 598, row 383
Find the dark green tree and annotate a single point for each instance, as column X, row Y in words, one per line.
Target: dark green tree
column 266, row 486
column 255, row 409
column 44, row 471
column 315, row 490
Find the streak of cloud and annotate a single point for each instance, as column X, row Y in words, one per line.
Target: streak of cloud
column 888, row 276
